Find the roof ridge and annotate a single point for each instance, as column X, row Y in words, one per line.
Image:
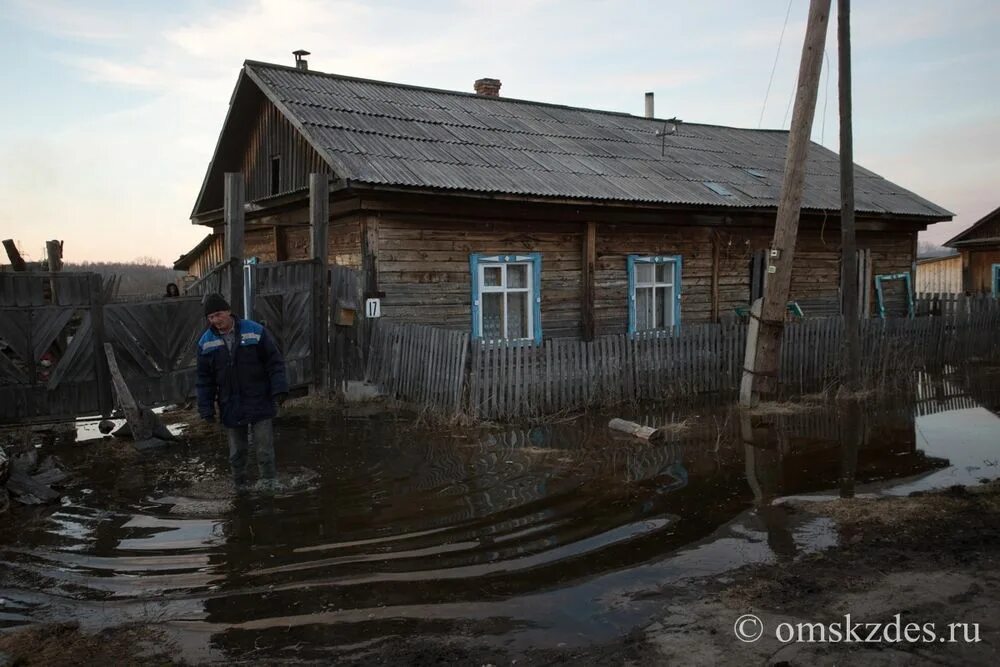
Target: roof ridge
column 517, row 100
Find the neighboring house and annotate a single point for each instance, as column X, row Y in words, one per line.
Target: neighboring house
column 202, row 258
column 980, row 249
column 525, row 219
column 939, row 274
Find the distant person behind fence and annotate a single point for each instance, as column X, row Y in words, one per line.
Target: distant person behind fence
column 241, row 370
column 172, row 291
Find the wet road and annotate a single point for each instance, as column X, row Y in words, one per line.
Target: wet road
column 525, row 538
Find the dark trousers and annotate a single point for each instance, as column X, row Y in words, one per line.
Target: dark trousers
column 261, row 436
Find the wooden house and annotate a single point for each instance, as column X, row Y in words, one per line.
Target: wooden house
column 521, row 219
column 941, row 274
column 202, row 258
column 979, row 246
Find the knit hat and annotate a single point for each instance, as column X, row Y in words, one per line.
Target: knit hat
column 214, row 303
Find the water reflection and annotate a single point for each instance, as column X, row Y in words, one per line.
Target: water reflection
column 526, row 534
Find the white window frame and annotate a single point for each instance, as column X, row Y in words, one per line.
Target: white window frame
column 672, row 297
column 532, row 265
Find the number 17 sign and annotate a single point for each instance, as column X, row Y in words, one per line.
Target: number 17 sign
column 373, row 308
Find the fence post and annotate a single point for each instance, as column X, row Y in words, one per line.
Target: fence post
column 369, row 284
column 97, row 332
column 233, row 215
column 319, row 222
column 588, row 267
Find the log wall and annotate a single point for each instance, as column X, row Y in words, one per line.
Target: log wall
column 260, row 243
column 423, row 267
column 978, row 265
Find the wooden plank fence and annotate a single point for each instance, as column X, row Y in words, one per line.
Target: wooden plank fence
column 509, row 380
column 53, row 328
column 282, row 302
column 420, row 364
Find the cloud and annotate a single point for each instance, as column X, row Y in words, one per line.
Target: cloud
column 127, row 178
column 73, row 20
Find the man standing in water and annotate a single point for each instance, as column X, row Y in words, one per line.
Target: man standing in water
column 241, row 369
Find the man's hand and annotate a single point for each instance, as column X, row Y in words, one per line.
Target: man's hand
column 281, row 398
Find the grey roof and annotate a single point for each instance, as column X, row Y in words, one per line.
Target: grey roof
column 975, row 234
column 391, row 134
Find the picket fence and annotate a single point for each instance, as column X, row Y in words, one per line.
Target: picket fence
column 445, row 372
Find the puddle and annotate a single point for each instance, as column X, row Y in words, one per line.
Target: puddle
column 536, row 537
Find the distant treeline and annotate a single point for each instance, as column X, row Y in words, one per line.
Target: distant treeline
column 141, row 277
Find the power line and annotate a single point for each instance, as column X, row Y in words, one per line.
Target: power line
column 770, row 79
column 826, row 95
column 788, row 108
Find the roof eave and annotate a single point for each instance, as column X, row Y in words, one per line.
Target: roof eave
column 958, row 238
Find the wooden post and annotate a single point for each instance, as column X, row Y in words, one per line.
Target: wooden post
column 53, row 258
column 279, row 244
column 715, row 276
column 589, row 261
column 369, row 277
column 146, row 427
column 319, row 221
column 14, row 255
column 848, row 241
column 772, row 318
column 97, row 332
column 53, row 255
column 234, row 217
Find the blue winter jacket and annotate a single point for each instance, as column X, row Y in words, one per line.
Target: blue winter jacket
column 244, row 384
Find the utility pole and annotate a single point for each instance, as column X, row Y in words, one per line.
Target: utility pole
column 848, row 241
column 763, row 355
column 851, row 427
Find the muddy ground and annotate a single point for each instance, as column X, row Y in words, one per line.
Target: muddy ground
column 932, row 558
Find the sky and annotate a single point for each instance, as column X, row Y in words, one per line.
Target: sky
column 111, row 110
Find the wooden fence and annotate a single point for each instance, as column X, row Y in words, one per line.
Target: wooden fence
column 52, row 333
column 421, row 364
column 281, row 300
column 505, row 380
column 946, row 304
column 53, row 328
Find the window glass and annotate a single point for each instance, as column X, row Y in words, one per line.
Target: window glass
column 644, row 273
column 643, row 308
column 662, row 302
column 517, row 275
column 517, row 315
column 493, row 314
column 491, row 276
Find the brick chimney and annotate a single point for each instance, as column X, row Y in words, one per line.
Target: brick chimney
column 488, row 87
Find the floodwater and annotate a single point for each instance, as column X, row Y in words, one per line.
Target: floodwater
column 521, row 538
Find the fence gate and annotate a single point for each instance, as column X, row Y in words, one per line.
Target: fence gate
column 47, row 347
column 282, row 302
column 155, row 346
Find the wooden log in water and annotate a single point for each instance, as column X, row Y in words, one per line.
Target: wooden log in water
column 647, row 433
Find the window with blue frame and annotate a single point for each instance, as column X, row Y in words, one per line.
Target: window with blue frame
column 654, row 292
column 506, row 297
column 996, row 280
